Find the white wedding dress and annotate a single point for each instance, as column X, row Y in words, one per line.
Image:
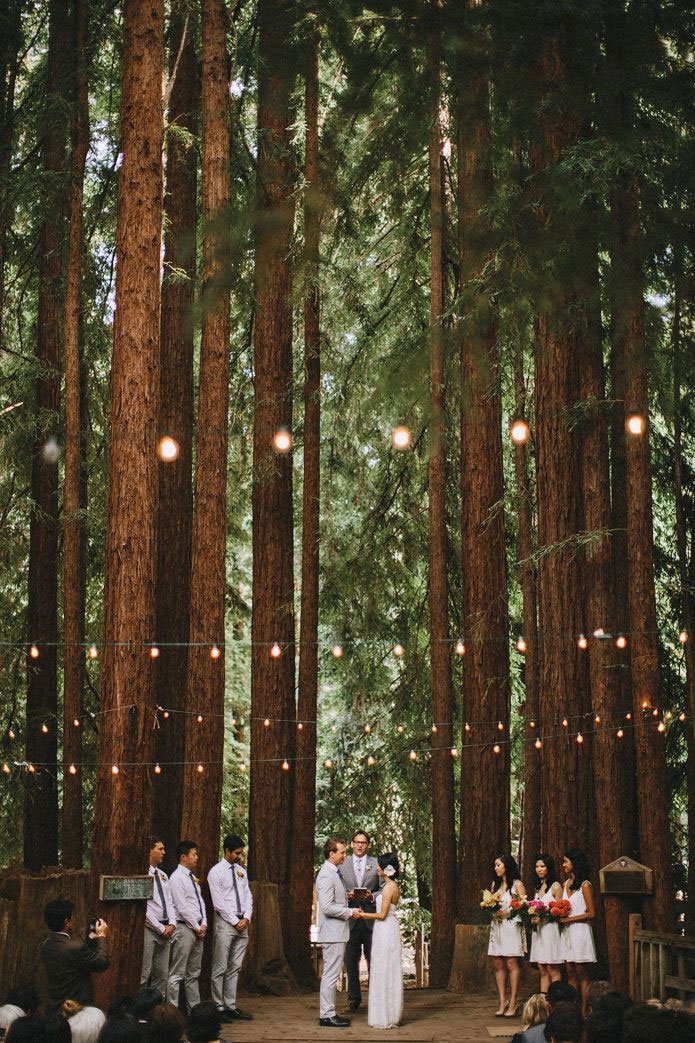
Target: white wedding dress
column 385, row 1008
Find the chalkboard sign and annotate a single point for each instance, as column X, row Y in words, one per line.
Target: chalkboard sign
column 125, row 888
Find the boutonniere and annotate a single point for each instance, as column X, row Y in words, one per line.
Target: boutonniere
column 240, row 873
column 197, row 880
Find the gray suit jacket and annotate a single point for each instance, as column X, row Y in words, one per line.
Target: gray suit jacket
column 333, row 908
column 371, row 880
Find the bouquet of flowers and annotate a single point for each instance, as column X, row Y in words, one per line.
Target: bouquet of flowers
column 559, row 910
column 538, row 913
column 518, row 907
column 490, row 904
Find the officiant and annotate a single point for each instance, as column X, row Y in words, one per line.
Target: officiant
column 359, row 874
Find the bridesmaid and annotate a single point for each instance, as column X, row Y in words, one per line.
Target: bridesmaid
column 577, row 936
column 507, row 937
column 546, row 946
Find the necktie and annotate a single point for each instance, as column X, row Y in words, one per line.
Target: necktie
column 360, row 872
column 197, row 895
column 239, row 911
column 162, row 899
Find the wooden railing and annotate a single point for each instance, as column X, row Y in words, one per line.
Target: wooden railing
column 660, row 964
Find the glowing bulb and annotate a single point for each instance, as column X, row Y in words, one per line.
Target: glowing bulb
column 538, row 744
column 200, row 769
column 371, row 761
column 466, row 727
column 215, row 652
column 6, row 768
column 599, row 632
column 434, row 729
column 337, row 651
column 157, row 769
column 154, row 652
column 565, row 722
column 11, row 734
column 496, row 748
column 683, row 637
column 166, row 715
column 93, row 652
column 31, row 769
column 519, row 432
column 661, row 727
column 401, row 437
column 76, row 722
column 681, row 716
column 597, row 719
column 266, row 723
column 72, row 769
column 275, row 650
column 328, row 763
column 521, row 645
column 582, row 642
column 34, row 652
column 580, row 738
column 168, row 449
column 199, row 718
column 500, row 726
column 454, row 752
column 44, row 728
column 532, row 724
column 242, row 766
column 400, row 729
column 300, row 726
column 114, row 769
column 51, row 450
column 620, row 733
column 398, row 650
column 412, row 755
column 460, row 648
column 367, row 729
column 285, row 765
column 621, row 641
column 282, row 440
column 635, row 424
column 628, row 716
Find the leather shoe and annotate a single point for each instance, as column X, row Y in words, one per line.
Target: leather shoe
column 336, row 1022
column 354, row 1004
column 234, row 1014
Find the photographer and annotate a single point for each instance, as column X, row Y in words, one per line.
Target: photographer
column 70, row 962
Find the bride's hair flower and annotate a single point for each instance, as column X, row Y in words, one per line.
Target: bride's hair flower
column 389, row 871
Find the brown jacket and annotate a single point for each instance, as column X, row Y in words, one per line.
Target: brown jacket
column 69, row 964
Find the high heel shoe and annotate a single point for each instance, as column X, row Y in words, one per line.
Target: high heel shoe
column 510, row 1012
column 500, row 1013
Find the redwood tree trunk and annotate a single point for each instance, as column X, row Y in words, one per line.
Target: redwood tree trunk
column 123, row 803
column 298, row 951
column 484, row 822
column 41, row 794
column 204, row 742
column 272, row 687
column 74, row 500
column 175, row 507
column 443, row 826
column 10, row 42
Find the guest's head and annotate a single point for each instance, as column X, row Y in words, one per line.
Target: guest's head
column 166, row 1024
column 204, row 1025
column 645, row 1023
column 145, row 1002
column 388, row 864
column 120, row 1006
column 535, row 1011
column 575, row 867
column 564, row 1025
column 561, row 992
column 58, row 1030
column 29, row 1029
column 596, row 990
column 122, row 1029
column 57, row 913
column 9, row 1012
column 545, row 871
column 85, row 1022
column 24, row 996
column 506, row 869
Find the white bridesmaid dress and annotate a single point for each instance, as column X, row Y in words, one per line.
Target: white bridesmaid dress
column 546, row 941
column 577, row 938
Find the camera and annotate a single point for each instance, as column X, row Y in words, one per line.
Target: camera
column 92, row 925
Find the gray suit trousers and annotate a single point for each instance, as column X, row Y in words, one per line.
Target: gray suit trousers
column 333, row 953
column 186, row 961
column 155, row 961
column 227, row 958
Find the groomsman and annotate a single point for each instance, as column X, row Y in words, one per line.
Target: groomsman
column 360, row 870
column 233, row 905
column 332, row 931
column 160, row 924
column 191, row 927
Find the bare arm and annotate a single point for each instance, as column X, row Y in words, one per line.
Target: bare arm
column 388, row 895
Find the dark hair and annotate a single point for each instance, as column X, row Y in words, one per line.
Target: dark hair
column 29, row 1029
column 145, row 1002
column 645, row 1023
column 204, row 1023
column 603, row 1026
column 56, row 912
column 184, row 847
column 24, row 996
column 561, row 992
column 153, row 840
column 511, row 871
column 331, row 845
column 580, row 867
column 549, row 862
column 120, row 1006
column 232, row 842
column 166, row 1025
column 121, row 1029
column 390, row 859
column 58, row 1029
column 362, row 833
column 565, row 1024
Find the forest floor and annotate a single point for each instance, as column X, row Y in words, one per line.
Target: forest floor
column 430, row 1016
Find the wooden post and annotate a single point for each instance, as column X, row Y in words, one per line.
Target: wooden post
column 634, row 924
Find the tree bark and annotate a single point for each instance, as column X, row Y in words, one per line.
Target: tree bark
column 272, row 687
column 204, row 742
column 123, row 803
column 443, row 826
column 486, row 628
column 175, row 506
column 74, row 498
column 298, row 951
column 10, row 42
column 41, row 794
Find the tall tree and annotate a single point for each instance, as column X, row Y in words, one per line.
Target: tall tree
column 486, row 673
column 298, row 951
column 123, row 797
column 443, row 826
column 175, row 505
column 272, row 688
column 204, row 742
column 41, row 796
column 11, row 38
column 74, row 494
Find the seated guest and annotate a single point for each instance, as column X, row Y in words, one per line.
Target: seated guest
column 645, row 1023
column 85, row 1022
column 21, row 1000
column 29, row 1029
column 58, row 1029
column 564, row 1025
column 605, row 1023
column 535, row 1013
column 558, row 992
column 204, row 1023
column 122, row 1029
column 143, row 1005
column 166, row 1024
column 596, row 990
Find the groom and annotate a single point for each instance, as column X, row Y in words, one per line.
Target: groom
column 332, row 929
column 360, row 870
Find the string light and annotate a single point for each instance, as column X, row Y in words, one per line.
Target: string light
column 282, row 440
column 11, row 734
column 500, row 726
column 200, row 769
column 72, row 769
column 681, row 716
column 367, row 729
column 285, row 765
column 266, row 723
column 168, row 449
column 538, row 744
column 215, row 652
column 6, row 768
column 337, row 651
column 114, row 769
column 532, row 724
column 565, row 722
column 93, row 652
column 460, row 648
column 199, row 718
column 599, row 633
column 597, row 719
column 328, row 763
column 31, row 769
column 157, row 769
column 496, row 748
column 400, row 729
column 467, row 728
column 76, row 722
column 454, row 752
column 166, row 715
column 242, row 766
column 580, row 738
column 434, row 729
column 521, row 645
column 401, row 437
column 412, row 755
column 44, row 728
column 628, row 716
column 635, row 424
column 582, row 642
column 34, row 652
column 621, row 641
column 398, row 650
column 154, row 652
column 275, row 650
column 661, row 727
column 683, row 637
column 519, row 432
column 300, row 726
column 620, row 733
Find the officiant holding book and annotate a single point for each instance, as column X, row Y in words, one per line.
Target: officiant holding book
column 361, row 880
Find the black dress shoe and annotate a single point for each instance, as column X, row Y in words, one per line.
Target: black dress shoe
column 234, row 1014
column 336, row 1022
column 354, row 1004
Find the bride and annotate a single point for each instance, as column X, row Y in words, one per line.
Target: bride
column 385, row 1007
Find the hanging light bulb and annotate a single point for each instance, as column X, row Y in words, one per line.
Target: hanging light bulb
column 467, row 727
column 285, row 765
column 371, row 761
column 434, row 729
column 400, row 729
column 599, row 632
column 282, row 440
column 621, row 641
column 412, row 755
column 154, row 652
column 460, row 648
column 683, row 637
column 538, row 744
column 521, row 645
column 580, row 738
column 300, row 726
column 166, row 715
column 500, row 726
column 635, row 424
column 242, row 766
column 44, row 728
column 76, row 722
column 114, row 769
column 200, row 769
column 34, row 652
column 661, row 727
column 6, row 768
column 157, row 769
column 496, row 748
column 401, row 437
column 275, row 650
column 367, row 729
column 215, row 652
column 532, row 724
column 93, row 652
column 168, row 449
column 681, row 716
column 72, row 769
column 328, row 763
column 199, row 718
column 565, row 722
column 266, row 723
column 582, row 642
column 11, row 733
column 337, row 651
column 519, row 432
column 398, row 650
column 454, row 752
column 620, row 733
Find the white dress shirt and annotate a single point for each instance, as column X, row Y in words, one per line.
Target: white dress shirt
column 154, row 914
column 188, row 901
column 359, row 866
column 227, row 900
